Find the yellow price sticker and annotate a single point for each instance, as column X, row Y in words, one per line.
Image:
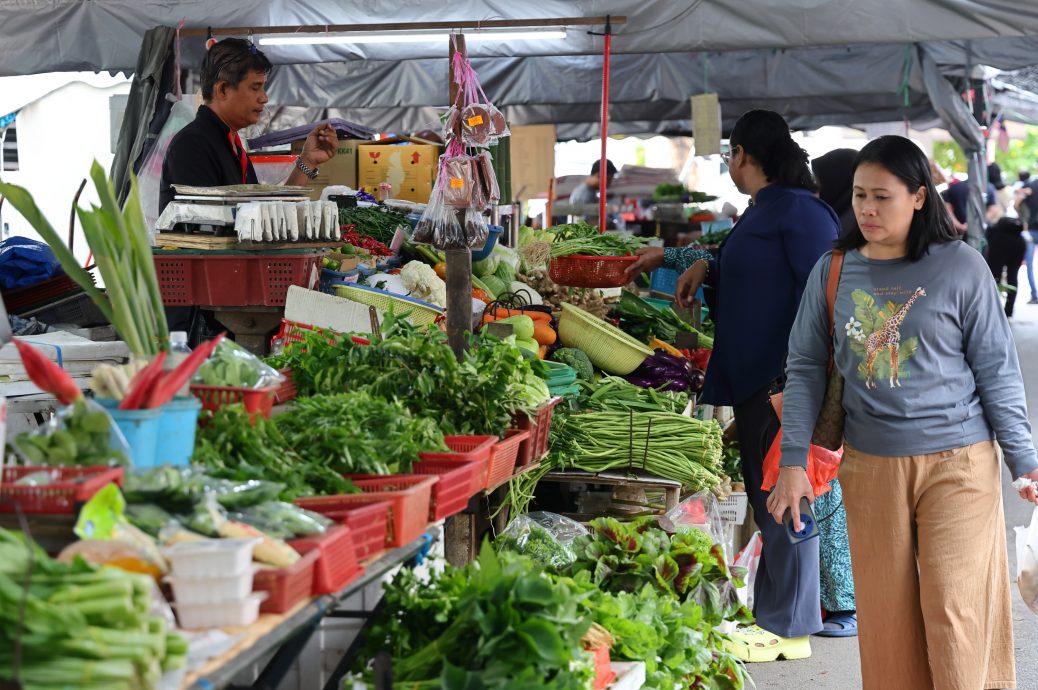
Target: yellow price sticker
column 457, row 183
column 475, row 120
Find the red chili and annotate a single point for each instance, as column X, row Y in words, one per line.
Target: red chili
column 166, row 388
column 47, row 375
column 142, row 384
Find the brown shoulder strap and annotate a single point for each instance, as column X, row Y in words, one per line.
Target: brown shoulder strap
column 835, row 268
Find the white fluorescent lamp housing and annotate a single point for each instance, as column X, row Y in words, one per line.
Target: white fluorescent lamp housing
column 414, row 37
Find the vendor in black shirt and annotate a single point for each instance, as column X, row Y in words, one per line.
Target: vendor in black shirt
column 208, row 152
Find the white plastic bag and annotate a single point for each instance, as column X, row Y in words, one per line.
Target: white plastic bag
column 699, row 511
column 749, row 559
column 1027, row 562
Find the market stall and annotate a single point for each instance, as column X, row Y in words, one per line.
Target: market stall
column 268, row 496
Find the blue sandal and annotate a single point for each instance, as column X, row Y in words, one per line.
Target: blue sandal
column 840, row 625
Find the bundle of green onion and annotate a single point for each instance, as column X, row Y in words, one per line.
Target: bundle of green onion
column 118, row 240
column 78, row 626
column 587, row 240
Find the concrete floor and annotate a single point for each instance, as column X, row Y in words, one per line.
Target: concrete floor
column 834, row 663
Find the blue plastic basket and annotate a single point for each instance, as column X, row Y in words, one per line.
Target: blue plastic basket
column 664, row 280
column 177, row 428
column 330, row 278
column 495, row 233
column 141, row 430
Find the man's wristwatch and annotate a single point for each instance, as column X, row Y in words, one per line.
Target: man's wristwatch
column 306, row 169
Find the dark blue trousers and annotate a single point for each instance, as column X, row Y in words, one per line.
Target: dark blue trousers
column 786, row 592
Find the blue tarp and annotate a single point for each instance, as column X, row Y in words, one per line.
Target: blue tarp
column 25, row 262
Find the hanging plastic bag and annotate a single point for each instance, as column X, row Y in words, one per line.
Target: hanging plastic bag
column 822, row 464
column 1027, row 562
column 476, row 229
column 748, row 560
column 487, row 179
column 150, row 174
column 456, row 179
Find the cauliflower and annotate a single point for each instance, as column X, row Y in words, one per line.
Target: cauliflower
column 422, row 283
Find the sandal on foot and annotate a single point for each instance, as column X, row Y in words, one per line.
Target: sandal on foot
column 754, row 644
column 840, row 625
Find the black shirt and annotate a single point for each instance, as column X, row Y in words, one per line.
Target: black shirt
column 201, row 155
column 958, row 194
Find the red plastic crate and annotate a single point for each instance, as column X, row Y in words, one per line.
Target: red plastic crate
column 286, row 390
column 408, row 496
column 337, row 564
column 590, row 271
column 467, row 449
column 74, row 485
column 256, row 400
column 369, row 524
column 539, row 426
column 48, row 290
column 502, row 461
column 285, row 587
column 233, row 280
column 293, row 332
column 452, row 492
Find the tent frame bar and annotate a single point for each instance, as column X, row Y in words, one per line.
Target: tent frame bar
column 396, row 26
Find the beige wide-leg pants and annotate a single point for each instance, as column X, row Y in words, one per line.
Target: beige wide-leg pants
column 931, row 575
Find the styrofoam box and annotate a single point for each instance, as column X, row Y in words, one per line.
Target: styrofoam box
column 211, row 557
column 201, row 590
column 224, row 614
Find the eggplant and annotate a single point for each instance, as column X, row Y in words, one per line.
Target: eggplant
column 696, row 380
column 641, row 381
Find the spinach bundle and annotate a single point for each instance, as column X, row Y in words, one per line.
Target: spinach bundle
column 359, row 433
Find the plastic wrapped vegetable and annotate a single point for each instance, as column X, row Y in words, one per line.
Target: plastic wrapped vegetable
column 81, row 434
column 233, row 366
column 545, row 537
column 291, row 519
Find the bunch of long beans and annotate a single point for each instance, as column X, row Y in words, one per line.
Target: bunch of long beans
column 665, row 444
column 612, row 393
column 587, row 240
column 118, row 240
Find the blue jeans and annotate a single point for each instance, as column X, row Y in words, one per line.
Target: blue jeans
column 1029, row 260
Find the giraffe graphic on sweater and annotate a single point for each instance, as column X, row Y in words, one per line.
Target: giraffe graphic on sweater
column 872, row 332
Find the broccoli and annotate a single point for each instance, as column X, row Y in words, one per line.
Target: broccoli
column 577, row 359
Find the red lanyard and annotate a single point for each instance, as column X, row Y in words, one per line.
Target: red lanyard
column 239, row 151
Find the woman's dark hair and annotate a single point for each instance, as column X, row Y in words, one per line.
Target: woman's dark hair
column 765, row 136
column 231, row 60
column 931, row 224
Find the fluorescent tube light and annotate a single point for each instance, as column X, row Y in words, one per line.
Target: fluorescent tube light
column 411, row 37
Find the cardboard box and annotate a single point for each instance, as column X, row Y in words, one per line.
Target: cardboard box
column 410, row 167
column 533, row 160
column 341, row 170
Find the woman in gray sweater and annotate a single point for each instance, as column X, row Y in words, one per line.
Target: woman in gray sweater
column 931, row 381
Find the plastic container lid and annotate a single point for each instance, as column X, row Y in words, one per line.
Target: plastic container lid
column 211, row 557
column 178, row 338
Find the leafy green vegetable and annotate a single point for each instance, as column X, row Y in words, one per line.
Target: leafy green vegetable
column 359, row 433
column 232, row 444
column 643, row 321
column 417, row 367
column 537, row 543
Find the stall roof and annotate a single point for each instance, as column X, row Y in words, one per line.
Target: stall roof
column 68, row 35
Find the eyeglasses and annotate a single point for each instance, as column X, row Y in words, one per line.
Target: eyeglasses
column 726, row 156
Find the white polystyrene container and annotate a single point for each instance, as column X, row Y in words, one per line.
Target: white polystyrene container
column 223, row 614
column 201, row 590
column 211, row 557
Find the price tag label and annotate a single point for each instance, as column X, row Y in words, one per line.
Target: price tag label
column 457, row 183
column 398, row 239
column 475, row 121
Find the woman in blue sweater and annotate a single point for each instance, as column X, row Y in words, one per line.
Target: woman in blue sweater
column 759, row 276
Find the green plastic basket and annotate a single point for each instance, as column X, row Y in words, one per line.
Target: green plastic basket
column 414, row 311
column 608, row 348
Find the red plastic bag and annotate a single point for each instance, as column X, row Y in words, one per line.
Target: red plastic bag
column 822, row 464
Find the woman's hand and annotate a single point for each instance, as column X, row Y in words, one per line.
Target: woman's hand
column 689, row 282
column 649, row 259
column 792, row 485
column 1031, row 492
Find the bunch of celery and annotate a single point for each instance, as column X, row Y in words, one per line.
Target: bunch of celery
column 119, row 242
column 74, row 625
